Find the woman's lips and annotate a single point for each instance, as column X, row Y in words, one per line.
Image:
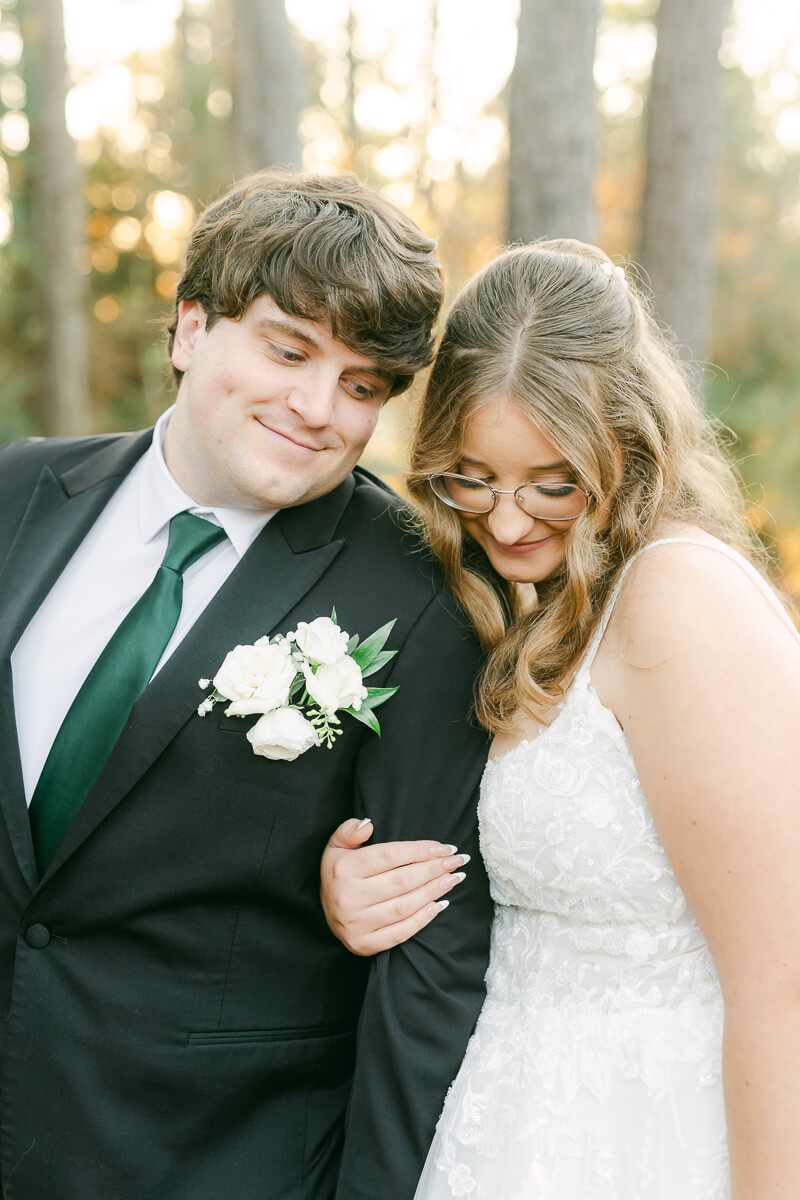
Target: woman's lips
column 521, row 547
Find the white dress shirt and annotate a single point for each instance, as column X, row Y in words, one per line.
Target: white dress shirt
column 113, row 566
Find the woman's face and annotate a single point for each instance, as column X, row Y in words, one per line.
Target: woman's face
column 503, row 448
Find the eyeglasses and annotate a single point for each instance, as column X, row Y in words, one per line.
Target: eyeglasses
column 545, row 501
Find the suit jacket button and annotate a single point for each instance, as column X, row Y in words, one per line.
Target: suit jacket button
column 37, row 936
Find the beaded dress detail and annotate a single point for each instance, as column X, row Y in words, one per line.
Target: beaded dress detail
column 594, row 1072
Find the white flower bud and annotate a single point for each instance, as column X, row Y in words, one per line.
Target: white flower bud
column 322, row 641
column 282, row 734
column 336, row 685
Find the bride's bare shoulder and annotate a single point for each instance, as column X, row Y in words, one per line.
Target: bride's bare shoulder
column 682, row 595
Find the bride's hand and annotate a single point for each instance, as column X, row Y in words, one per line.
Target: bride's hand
column 376, row 897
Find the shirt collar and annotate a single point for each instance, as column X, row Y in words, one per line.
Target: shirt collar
column 161, row 498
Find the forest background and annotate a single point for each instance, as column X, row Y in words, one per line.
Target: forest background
column 669, row 134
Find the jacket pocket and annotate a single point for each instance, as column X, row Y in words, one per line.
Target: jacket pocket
column 235, row 1037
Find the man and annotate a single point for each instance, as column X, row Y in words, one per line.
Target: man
column 179, row 1024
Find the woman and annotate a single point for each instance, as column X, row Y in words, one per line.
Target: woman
column 639, row 814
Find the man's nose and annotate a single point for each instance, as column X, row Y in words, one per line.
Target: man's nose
column 314, row 399
column 508, row 523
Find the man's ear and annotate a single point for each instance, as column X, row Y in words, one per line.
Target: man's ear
column 190, row 324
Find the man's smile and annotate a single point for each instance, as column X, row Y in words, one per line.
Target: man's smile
column 291, row 439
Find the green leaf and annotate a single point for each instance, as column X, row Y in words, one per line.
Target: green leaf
column 366, row 718
column 351, row 645
column 380, row 660
column 368, row 651
column 333, row 615
column 377, row 696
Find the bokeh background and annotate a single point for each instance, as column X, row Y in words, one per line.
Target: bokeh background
column 669, row 134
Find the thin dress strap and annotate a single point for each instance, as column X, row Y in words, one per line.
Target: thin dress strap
column 721, row 548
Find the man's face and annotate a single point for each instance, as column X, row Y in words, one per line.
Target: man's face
column 272, row 410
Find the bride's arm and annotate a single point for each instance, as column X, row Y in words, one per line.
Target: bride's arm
column 708, row 692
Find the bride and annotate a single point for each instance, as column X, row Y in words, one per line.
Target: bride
column 640, row 812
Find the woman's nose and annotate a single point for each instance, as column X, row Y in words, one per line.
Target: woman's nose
column 507, row 522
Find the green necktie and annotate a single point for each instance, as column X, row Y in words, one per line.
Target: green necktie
column 120, row 675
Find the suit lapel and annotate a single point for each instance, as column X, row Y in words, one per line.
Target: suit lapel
column 59, row 514
column 12, row 792
column 287, row 558
column 62, row 508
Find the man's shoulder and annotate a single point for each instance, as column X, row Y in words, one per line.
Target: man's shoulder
column 74, row 463
column 371, row 490
column 385, row 524
column 393, row 564
column 26, row 458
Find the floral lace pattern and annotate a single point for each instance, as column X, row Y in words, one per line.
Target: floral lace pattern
column 594, row 1072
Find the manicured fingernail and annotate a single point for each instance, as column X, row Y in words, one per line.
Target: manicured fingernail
column 443, row 851
column 450, row 881
column 361, row 824
column 465, row 858
column 441, row 905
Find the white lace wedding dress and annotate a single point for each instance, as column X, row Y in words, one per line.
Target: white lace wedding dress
column 594, row 1072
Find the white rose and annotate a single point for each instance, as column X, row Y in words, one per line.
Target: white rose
column 336, row 685
column 256, row 678
column 282, row 734
column 322, row 641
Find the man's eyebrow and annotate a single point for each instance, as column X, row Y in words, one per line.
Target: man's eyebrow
column 276, row 325
column 376, row 372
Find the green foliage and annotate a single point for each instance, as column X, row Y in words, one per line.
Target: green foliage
column 186, row 151
column 756, row 384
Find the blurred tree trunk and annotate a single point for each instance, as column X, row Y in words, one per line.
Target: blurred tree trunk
column 553, row 121
column 267, row 87
column 683, row 135
column 184, row 149
column 58, row 210
column 351, row 125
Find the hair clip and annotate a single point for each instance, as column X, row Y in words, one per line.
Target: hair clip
column 617, row 272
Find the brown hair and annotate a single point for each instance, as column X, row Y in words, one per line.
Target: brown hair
column 553, row 328
column 324, row 248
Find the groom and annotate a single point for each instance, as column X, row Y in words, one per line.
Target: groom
column 177, row 1021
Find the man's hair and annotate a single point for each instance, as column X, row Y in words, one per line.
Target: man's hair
column 325, row 248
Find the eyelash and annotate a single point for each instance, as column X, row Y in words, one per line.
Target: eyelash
column 293, row 358
column 289, row 356
column 364, row 393
column 553, row 484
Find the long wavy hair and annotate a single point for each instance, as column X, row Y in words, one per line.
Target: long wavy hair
column 555, row 329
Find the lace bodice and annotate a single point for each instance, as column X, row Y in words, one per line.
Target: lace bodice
column 595, row 1069
column 572, row 852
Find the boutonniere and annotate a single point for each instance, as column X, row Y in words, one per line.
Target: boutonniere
column 299, row 684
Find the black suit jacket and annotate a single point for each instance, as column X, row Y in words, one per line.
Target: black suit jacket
column 178, row 1021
